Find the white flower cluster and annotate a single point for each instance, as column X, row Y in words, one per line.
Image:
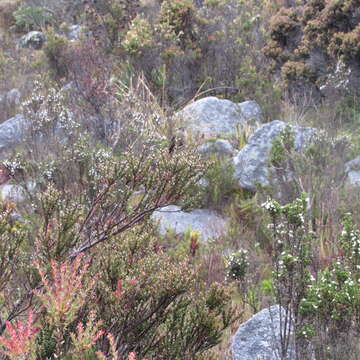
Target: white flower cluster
column 270, row 205
column 351, row 239
column 67, row 121
column 279, row 230
column 339, row 79
column 48, row 111
column 237, row 264
column 49, row 170
column 286, row 262
column 12, row 166
column 79, row 150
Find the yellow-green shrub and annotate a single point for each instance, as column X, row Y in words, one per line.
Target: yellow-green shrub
column 138, row 37
column 54, row 49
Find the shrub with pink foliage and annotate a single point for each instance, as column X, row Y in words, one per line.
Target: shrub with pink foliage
column 20, row 342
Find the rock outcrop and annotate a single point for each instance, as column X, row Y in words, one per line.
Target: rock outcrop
column 12, row 132
column 219, row 147
column 33, row 40
column 352, row 168
column 259, row 337
column 252, row 162
column 74, row 32
column 8, row 103
column 11, row 98
column 16, row 193
column 208, row 223
column 212, row 117
column 12, row 193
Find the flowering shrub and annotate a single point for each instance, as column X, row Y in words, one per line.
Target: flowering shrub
column 321, row 308
column 291, row 258
column 335, row 294
column 88, row 262
column 237, row 264
column 350, row 244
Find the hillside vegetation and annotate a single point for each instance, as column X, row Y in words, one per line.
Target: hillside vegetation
column 102, row 111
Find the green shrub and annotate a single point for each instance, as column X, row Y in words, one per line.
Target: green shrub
column 54, row 49
column 219, row 182
column 5, row 61
column 138, row 37
column 281, row 147
column 282, row 25
column 177, row 21
column 137, row 290
column 346, row 45
column 292, row 71
column 33, row 18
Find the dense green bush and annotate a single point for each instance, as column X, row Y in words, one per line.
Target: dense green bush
column 54, row 50
column 33, row 18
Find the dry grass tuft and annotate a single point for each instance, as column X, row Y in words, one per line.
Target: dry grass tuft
column 7, row 7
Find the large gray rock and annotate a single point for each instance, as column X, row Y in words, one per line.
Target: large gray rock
column 8, row 101
column 252, row 162
column 12, row 132
column 218, row 147
column 12, row 193
column 213, row 117
column 16, row 193
column 354, row 178
column 209, row 224
column 74, row 32
column 13, row 97
column 352, row 168
column 3, row 107
column 259, row 337
column 34, row 40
